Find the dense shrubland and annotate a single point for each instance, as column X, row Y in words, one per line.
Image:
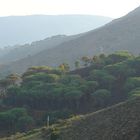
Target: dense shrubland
column 96, row 83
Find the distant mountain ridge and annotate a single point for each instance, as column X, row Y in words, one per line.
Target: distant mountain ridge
column 26, row 29
column 120, row 34
column 17, row 52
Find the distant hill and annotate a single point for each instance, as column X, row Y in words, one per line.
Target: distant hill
column 17, row 52
column 120, row 34
column 26, row 29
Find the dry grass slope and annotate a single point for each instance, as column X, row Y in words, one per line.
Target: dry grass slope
column 121, row 122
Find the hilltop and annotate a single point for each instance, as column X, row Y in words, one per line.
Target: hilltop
column 26, row 29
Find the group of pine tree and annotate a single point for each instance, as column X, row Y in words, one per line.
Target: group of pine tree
column 97, row 82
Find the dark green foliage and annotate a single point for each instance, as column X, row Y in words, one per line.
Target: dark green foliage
column 48, row 88
column 119, row 57
column 49, row 78
column 132, row 83
column 106, row 80
column 89, row 86
column 101, row 96
column 41, row 69
column 77, row 64
column 15, row 119
column 134, row 93
column 25, row 123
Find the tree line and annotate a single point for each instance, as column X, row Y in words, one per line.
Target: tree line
column 96, row 82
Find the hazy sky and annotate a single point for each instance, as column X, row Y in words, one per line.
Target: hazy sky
column 111, row 8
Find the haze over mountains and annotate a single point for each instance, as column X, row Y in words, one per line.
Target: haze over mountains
column 25, row 29
column 120, row 34
column 21, row 51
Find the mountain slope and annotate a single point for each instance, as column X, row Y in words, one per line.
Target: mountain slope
column 23, row 29
column 119, row 122
column 14, row 53
column 120, row 34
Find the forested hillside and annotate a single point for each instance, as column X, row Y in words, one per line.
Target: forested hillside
column 119, row 122
column 96, row 83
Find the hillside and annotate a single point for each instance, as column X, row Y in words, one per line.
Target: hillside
column 120, row 34
column 17, row 52
column 119, row 122
column 38, row 27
